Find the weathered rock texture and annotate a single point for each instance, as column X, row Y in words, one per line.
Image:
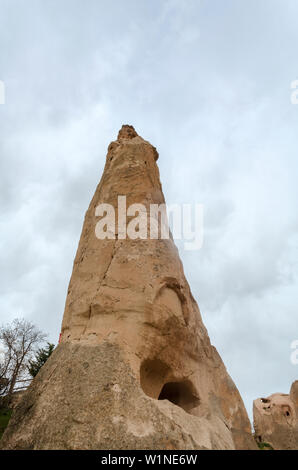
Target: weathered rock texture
column 135, row 368
column 276, row 419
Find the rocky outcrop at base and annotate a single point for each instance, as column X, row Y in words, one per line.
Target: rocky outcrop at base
column 276, row 420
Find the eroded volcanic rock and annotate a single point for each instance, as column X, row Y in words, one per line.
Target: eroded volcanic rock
column 276, row 420
column 135, row 368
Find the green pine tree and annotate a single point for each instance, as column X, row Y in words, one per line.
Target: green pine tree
column 41, row 357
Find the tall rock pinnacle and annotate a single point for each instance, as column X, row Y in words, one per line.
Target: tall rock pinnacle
column 135, row 368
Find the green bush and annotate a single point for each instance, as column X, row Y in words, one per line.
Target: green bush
column 5, row 414
column 265, row 446
column 41, row 358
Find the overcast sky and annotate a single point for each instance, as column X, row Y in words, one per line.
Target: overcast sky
column 209, row 84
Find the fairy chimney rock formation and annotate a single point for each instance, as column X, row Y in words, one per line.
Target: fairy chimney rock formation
column 276, row 420
column 135, row 368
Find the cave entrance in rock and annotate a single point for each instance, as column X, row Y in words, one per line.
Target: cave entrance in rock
column 179, row 393
column 157, row 381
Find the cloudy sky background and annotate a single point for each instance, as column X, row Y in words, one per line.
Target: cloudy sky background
column 209, row 84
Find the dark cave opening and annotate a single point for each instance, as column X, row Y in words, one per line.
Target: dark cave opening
column 180, row 394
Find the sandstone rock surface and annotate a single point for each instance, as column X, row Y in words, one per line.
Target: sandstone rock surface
column 276, row 419
column 135, row 368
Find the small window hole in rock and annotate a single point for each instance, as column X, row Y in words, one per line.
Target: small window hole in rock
column 157, row 382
